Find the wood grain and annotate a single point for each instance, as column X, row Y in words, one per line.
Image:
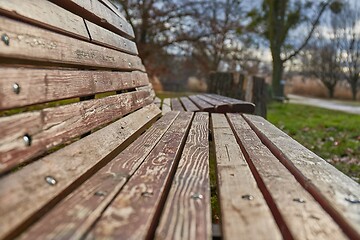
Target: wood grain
column 295, row 210
column 107, row 38
column 53, row 126
column 74, row 216
column 45, row 14
column 189, row 105
column 98, row 13
column 204, row 106
column 219, row 106
column 176, row 105
column 187, row 210
column 40, row 86
column 25, row 195
column 113, row 8
column 237, row 106
column 134, row 212
column 166, row 106
column 250, row 219
column 336, row 192
column 35, row 44
column 157, row 102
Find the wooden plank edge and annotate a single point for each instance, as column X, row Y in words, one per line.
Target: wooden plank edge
column 306, row 184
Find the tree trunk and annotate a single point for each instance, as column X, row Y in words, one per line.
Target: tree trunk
column 353, row 85
column 331, row 90
column 277, row 87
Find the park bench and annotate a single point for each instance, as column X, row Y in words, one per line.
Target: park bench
column 85, row 152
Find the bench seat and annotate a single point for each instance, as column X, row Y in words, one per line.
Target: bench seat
column 212, row 103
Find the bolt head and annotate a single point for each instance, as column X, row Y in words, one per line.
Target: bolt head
column 299, row 200
column 27, row 140
column 197, row 196
column 50, row 180
column 5, row 38
column 130, row 64
column 16, row 88
column 247, row 197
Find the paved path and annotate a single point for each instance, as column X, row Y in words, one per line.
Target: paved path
column 328, row 104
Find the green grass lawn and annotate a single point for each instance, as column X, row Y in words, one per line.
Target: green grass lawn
column 334, row 136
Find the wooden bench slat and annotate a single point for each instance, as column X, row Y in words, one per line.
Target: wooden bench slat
column 53, row 126
column 40, row 86
column 25, row 194
column 166, row 106
column 97, row 12
column 113, row 8
column 187, row 210
column 244, row 211
column 28, row 42
column 219, row 106
column 336, row 192
column 297, row 213
column 46, row 14
column 236, row 104
column 74, row 216
column 176, row 105
column 189, row 105
column 157, row 102
column 133, row 214
column 204, row 106
column 107, row 38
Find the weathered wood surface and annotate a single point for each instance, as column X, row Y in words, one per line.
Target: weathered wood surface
column 244, row 211
column 157, row 102
column 219, row 106
column 189, row 105
column 256, row 93
column 45, row 14
column 297, row 213
column 27, row 42
column 74, row 216
column 39, row 86
column 187, row 210
column 107, row 38
column 166, row 106
column 176, row 105
column 204, row 106
column 338, row 194
column 113, row 8
column 97, row 12
column 53, row 126
column 236, row 104
column 133, row 214
column 25, row 194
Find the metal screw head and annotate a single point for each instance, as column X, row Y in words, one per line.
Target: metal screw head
column 147, row 194
column 50, row 180
column 299, row 200
column 130, row 64
column 247, row 197
column 352, row 200
column 27, row 140
column 16, row 88
column 5, row 38
column 100, row 193
column 197, row 196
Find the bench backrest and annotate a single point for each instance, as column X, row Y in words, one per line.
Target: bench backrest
column 68, row 68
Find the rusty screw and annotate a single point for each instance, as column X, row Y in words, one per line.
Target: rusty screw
column 5, row 38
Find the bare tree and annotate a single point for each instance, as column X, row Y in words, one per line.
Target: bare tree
column 321, row 60
column 347, row 29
